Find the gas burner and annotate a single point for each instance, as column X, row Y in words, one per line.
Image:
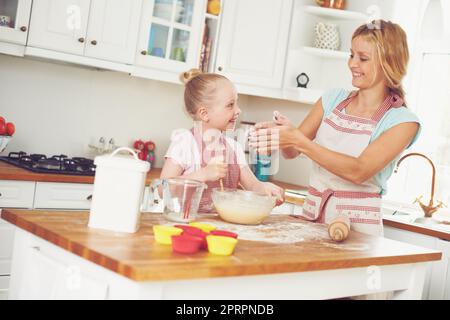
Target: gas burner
column 57, row 164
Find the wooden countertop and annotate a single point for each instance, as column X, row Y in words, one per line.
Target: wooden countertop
column 139, row 258
column 417, row 228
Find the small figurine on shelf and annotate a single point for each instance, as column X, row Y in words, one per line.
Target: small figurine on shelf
column 213, row 7
column 150, row 150
column 139, row 146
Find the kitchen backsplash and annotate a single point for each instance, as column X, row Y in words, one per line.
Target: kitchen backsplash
column 60, row 108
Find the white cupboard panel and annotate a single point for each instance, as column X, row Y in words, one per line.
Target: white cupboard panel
column 16, row 194
column 59, row 25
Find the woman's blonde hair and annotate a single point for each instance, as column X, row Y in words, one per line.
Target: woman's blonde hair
column 392, row 48
column 200, row 88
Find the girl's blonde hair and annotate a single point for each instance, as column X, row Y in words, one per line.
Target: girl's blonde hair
column 200, row 88
column 392, row 49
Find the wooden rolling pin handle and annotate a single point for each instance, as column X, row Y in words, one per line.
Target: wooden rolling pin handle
column 339, row 228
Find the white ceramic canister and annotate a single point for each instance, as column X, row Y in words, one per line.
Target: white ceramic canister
column 118, row 190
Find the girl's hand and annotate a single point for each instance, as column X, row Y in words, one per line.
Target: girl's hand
column 215, row 170
column 273, row 190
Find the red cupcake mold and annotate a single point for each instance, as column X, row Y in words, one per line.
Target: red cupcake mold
column 224, row 233
column 186, row 243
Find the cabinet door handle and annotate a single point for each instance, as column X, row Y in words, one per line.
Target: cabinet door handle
column 94, row 42
column 81, row 40
column 220, row 68
column 0, row 194
column 23, row 29
column 144, row 52
column 89, row 197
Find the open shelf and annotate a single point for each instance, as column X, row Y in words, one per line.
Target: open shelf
column 336, row 13
column 304, row 95
column 334, row 54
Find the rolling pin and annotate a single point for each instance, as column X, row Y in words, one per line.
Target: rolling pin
column 339, row 228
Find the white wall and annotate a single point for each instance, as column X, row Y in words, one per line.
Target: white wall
column 62, row 108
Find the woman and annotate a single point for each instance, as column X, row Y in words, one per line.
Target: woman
column 353, row 138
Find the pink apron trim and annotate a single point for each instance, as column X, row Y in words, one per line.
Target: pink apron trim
column 230, row 181
column 326, row 195
column 353, row 118
column 391, row 101
column 365, row 221
column 359, row 208
column 346, row 130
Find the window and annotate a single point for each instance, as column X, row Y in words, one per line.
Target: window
column 433, row 108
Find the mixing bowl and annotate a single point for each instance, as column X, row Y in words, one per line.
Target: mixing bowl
column 242, row 207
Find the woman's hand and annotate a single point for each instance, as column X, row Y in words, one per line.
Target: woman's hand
column 273, row 190
column 270, row 138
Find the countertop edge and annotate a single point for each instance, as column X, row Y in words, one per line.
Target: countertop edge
column 417, row 229
column 142, row 274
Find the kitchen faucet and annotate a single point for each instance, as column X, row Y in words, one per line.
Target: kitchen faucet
column 430, row 208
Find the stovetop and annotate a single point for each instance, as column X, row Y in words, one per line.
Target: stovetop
column 57, row 164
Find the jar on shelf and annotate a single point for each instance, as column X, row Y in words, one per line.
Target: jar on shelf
column 335, row 4
column 213, row 7
column 327, row 36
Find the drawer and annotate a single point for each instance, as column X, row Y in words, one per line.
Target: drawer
column 63, row 195
column 6, row 248
column 16, row 194
column 4, row 287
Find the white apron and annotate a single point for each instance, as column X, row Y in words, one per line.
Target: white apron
column 330, row 195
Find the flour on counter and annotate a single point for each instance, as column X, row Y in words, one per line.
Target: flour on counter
column 278, row 232
column 289, row 233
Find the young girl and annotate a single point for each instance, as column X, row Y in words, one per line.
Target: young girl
column 204, row 153
column 355, row 138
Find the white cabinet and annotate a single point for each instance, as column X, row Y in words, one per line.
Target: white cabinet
column 169, row 36
column 14, row 18
column 41, row 271
column 59, row 25
column 253, row 41
column 16, row 194
column 6, row 245
column 63, row 195
column 437, row 281
column 4, row 285
column 102, row 29
column 113, row 30
column 440, row 277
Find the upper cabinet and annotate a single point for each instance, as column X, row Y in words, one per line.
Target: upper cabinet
column 14, row 18
column 253, row 41
column 170, row 34
column 103, row 29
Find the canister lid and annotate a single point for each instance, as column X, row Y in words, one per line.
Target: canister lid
column 125, row 162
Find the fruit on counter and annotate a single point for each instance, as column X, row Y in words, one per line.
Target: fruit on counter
column 213, row 7
column 2, row 128
column 6, row 128
column 10, row 128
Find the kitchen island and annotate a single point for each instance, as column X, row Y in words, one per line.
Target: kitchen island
column 57, row 256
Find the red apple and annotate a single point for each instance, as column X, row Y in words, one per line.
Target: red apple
column 10, row 128
column 2, row 128
column 2, row 120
